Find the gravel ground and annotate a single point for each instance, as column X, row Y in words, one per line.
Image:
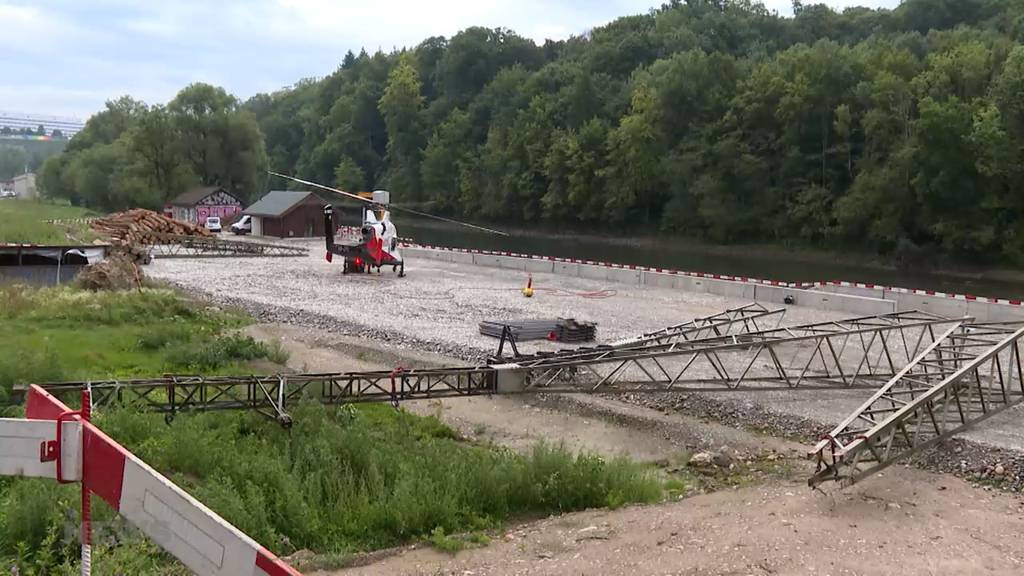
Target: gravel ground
column 437, row 307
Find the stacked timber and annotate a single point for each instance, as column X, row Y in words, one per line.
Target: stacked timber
column 133, row 231
column 144, row 227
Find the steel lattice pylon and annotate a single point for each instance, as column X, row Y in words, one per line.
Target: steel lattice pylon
column 851, row 353
column 968, row 374
column 745, row 319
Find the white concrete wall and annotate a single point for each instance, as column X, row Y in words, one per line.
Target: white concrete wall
column 852, row 299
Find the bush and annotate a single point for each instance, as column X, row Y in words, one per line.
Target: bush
column 206, row 353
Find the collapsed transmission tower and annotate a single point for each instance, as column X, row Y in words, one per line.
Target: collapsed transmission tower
column 853, row 353
column 970, row 373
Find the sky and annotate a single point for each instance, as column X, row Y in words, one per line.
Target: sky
column 68, row 57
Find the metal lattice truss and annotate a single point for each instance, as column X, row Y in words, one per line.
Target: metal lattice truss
column 176, row 246
column 745, row 319
column 852, row 353
column 271, row 395
column 971, row 372
column 857, row 352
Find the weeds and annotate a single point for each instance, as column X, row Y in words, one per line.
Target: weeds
column 66, row 333
column 369, row 477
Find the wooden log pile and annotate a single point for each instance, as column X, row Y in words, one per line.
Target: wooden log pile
column 135, row 229
column 144, row 227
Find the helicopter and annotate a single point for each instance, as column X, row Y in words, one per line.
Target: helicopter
column 377, row 244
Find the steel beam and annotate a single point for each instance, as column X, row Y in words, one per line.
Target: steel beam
column 968, row 374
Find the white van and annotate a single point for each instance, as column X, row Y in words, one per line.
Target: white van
column 243, row 226
column 213, row 223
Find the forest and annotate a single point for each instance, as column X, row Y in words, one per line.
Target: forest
column 896, row 132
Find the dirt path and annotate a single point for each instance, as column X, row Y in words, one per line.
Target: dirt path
column 908, row 523
column 903, row 521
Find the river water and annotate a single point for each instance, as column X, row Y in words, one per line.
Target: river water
column 684, row 255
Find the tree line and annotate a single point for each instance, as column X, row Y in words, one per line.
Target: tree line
column 133, row 154
column 896, row 131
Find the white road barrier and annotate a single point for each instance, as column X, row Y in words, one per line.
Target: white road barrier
column 177, row 522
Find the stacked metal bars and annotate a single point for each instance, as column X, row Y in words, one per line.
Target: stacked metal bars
column 968, row 374
column 174, row 246
column 561, row 329
column 522, row 330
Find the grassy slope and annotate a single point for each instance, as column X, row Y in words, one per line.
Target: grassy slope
column 343, row 479
column 66, row 334
column 21, row 221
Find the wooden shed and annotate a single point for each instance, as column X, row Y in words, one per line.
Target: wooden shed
column 287, row 214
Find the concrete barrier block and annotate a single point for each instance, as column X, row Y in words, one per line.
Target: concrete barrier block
column 988, row 312
column 658, row 279
column 624, row 275
column 567, row 268
column 540, row 266
column 941, row 305
column 487, row 260
column 461, row 257
column 856, row 305
column 512, row 263
column 593, row 272
column 731, row 289
column 691, row 284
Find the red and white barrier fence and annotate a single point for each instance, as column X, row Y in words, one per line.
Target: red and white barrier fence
column 56, row 442
column 744, row 279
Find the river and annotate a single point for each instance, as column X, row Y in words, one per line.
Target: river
column 685, row 255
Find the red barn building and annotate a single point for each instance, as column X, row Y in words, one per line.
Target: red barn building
column 198, row 204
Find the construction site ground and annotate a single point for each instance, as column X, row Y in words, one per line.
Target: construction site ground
column 437, row 308
column 904, row 521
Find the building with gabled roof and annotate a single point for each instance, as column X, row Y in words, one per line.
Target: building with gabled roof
column 287, row 214
column 199, row 203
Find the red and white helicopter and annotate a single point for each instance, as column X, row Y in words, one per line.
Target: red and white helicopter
column 377, row 244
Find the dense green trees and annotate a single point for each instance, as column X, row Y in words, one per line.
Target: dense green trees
column 132, row 154
column 898, row 131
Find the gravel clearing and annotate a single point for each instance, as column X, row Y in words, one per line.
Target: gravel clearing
column 437, row 307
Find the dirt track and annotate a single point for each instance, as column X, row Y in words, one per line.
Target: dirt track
column 906, row 523
column 903, row 521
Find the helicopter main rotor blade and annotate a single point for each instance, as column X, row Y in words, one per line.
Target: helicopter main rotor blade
column 308, row 183
column 392, row 206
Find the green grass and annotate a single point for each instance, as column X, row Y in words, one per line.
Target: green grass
column 69, row 334
column 343, row 480
column 22, row 221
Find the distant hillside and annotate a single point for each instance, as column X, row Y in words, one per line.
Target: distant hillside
column 895, row 131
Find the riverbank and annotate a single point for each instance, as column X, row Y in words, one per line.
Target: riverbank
column 785, row 263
